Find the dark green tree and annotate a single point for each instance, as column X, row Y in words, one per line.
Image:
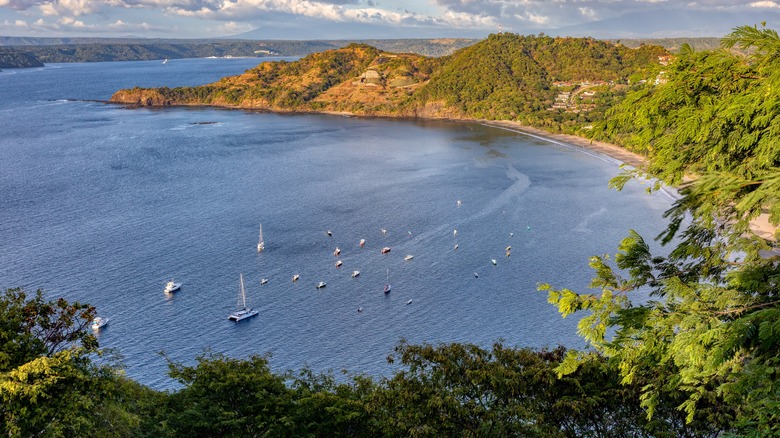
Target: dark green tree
column 711, row 328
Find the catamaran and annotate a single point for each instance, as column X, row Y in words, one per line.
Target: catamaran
column 244, row 311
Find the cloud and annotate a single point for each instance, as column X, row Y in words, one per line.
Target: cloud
column 560, row 13
column 765, row 4
column 72, row 25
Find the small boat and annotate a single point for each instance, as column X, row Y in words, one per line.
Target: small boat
column 455, row 247
column 508, row 253
column 409, row 302
column 476, row 275
column 355, row 273
column 99, row 322
column 172, row 286
column 408, row 257
column 385, row 250
column 336, row 252
column 458, row 202
column 387, row 285
column 263, row 281
column 362, row 242
column 528, row 228
column 338, row 264
column 454, row 233
column 493, row 261
column 321, row 284
column 509, row 248
column 165, row 61
column 244, row 311
column 296, row 277
column 511, row 234
column 409, row 233
column 260, row 241
column 329, row 233
column 360, row 309
column 384, row 231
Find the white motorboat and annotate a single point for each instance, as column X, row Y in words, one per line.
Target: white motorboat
column 408, row 257
column 355, row 273
column 99, row 322
column 172, row 286
column 244, row 311
column 321, row 284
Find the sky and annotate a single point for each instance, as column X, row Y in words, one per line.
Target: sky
column 333, row 19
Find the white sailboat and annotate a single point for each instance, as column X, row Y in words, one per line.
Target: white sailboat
column 387, row 285
column 244, row 311
column 172, row 286
column 260, row 241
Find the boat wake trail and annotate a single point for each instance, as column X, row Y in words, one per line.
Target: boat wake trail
column 582, row 227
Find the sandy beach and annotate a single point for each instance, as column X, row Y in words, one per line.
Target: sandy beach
column 760, row 225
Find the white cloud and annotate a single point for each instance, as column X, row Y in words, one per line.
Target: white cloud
column 764, row 4
column 230, row 28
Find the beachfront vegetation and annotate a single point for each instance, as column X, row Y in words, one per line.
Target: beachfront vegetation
column 700, row 358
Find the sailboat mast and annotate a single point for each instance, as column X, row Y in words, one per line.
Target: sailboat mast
column 260, row 242
column 243, row 292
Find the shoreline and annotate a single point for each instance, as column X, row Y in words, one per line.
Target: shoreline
column 610, row 150
column 760, row 226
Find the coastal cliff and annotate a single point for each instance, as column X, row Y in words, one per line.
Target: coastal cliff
column 506, row 76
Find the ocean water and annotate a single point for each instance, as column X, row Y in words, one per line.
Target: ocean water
column 103, row 204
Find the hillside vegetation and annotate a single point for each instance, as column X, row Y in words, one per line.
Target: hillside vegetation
column 504, row 76
column 15, row 59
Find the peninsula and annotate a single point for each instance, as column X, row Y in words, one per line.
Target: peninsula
column 558, row 83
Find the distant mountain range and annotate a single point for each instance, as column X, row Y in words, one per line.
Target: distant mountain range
column 671, row 23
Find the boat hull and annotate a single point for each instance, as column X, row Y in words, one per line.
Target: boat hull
column 243, row 314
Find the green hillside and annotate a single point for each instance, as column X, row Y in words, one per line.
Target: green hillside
column 10, row 58
column 506, row 76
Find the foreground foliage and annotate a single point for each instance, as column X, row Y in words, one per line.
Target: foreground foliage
column 455, row 390
column 711, row 327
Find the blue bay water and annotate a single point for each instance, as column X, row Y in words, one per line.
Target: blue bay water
column 103, row 204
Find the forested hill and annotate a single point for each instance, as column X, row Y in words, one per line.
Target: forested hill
column 15, row 59
column 503, row 76
column 109, row 49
